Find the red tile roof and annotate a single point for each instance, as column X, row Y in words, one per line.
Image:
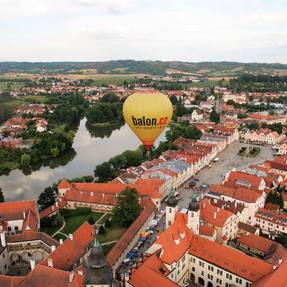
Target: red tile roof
column 151, row 274
column 236, row 177
column 206, row 230
column 278, row 278
column 51, row 209
column 66, row 254
column 214, row 215
column 13, row 210
column 176, row 240
column 229, row 259
column 121, row 245
column 31, row 236
column 240, row 193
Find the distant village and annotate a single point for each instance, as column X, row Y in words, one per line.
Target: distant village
column 190, row 232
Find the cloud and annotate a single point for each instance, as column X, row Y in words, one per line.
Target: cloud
column 186, row 30
column 111, row 6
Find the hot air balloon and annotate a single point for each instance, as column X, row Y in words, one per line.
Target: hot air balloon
column 147, row 113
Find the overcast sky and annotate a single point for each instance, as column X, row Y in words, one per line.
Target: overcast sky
column 186, row 30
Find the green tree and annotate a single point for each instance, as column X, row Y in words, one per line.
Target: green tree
column 91, row 220
column 275, row 198
column 25, row 160
column 47, row 197
column 1, row 195
column 104, row 172
column 118, row 161
column 191, row 132
column 128, row 208
column 214, row 116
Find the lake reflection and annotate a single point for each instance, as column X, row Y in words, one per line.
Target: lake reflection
column 88, row 152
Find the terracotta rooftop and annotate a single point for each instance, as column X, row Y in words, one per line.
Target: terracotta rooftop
column 13, row 210
column 121, row 245
column 66, row 254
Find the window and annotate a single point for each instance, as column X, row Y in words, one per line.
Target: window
column 219, row 272
column 193, row 269
column 238, row 280
column 202, row 273
column 210, row 267
column 219, row 281
column 209, row 276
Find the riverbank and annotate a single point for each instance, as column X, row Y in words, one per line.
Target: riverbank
column 87, row 152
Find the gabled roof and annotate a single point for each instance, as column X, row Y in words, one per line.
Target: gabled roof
column 176, row 240
column 214, row 215
column 240, row 178
column 121, row 245
column 66, row 254
column 31, row 236
column 239, row 193
column 277, row 278
column 229, row 259
column 13, row 210
column 151, row 273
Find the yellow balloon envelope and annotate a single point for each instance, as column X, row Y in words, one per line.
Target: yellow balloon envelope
column 147, row 113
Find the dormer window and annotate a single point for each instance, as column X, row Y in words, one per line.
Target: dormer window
column 177, row 241
column 182, row 235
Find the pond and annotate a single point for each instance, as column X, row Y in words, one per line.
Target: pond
column 88, row 151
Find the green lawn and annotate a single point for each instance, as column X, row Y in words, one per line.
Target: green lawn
column 50, row 230
column 73, row 222
column 60, row 236
column 106, row 217
column 27, row 100
column 113, row 233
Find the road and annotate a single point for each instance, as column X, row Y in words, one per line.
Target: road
column 228, row 159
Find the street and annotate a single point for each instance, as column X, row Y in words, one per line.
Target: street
column 228, row 159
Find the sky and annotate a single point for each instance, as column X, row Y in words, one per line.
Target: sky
column 184, row 30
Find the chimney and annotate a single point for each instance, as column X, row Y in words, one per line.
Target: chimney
column 24, row 214
column 50, row 262
column 3, row 239
column 92, row 193
column 214, row 215
column 71, row 236
column 32, row 264
column 53, row 247
column 57, row 204
column 71, row 276
column 218, row 209
column 61, row 241
column 204, row 205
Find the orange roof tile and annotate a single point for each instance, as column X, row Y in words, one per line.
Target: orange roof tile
column 229, row 259
column 214, row 215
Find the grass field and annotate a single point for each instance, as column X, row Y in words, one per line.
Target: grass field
column 103, row 219
column 27, row 100
column 60, row 236
column 108, row 247
column 74, row 222
column 10, row 86
column 112, row 234
column 50, row 230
